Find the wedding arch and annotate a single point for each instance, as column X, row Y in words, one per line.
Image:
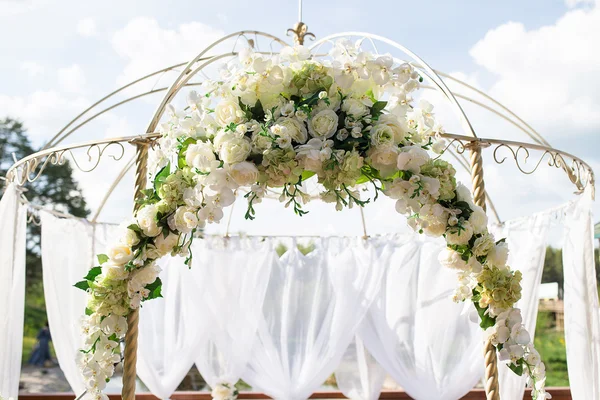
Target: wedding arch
column 337, row 115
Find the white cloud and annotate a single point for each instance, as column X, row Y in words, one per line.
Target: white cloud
column 72, row 79
column 148, row 47
column 86, row 27
column 32, row 68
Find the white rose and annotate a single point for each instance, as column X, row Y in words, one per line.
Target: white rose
column 483, row 245
column 295, row 129
column 114, row 271
column 459, row 236
column 451, row 259
column 260, row 143
column 382, row 134
column 498, row 255
column 355, row 108
column 435, row 229
column 244, row 173
column 184, row 220
column 165, row 245
column 478, row 219
column 144, row 276
column 201, row 156
column 464, row 194
column 323, row 125
column 222, row 392
column 146, row 220
column 383, row 158
column 120, row 253
column 394, row 124
column 235, row 150
column 412, row 158
column 129, row 237
column 228, row 111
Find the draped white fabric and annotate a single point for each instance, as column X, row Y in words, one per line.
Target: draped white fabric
column 422, row 339
column 229, row 278
column 582, row 326
column 68, row 252
column 527, row 240
column 312, row 308
column 168, row 332
column 359, row 376
column 13, row 217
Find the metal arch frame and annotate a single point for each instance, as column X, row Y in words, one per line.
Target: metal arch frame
column 22, row 170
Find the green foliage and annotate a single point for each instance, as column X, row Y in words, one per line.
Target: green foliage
column 550, row 343
column 155, row 289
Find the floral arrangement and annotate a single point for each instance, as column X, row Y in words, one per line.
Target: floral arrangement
column 270, row 124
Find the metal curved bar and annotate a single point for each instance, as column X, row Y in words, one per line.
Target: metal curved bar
column 460, row 112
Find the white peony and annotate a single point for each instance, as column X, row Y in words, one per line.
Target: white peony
column 201, row 156
column 412, row 158
column 165, row 245
column 354, row 108
column 227, row 112
column 464, row 194
column 244, row 173
column 394, row 123
column 483, row 245
column 382, row 135
column 459, row 235
column 146, row 220
column 383, row 158
column 498, row 255
column 235, row 150
column 478, row 219
column 295, row 129
column 184, row 219
column 323, row 125
column 451, row 259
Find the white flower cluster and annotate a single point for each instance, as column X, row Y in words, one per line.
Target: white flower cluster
column 272, row 122
column 224, row 391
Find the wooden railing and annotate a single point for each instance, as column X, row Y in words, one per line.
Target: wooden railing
column 475, row 394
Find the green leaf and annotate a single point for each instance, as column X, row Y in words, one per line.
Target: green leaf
column 162, row 176
column 155, row 289
column 181, row 155
column 378, row 107
column 486, row 320
column 88, row 311
column 83, row 285
column 518, row 368
column 102, row 258
column 135, row 228
column 465, row 209
column 93, row 273
column 371, row 96
column 307, row 174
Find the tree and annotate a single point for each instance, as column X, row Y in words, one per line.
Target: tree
column 55, row 189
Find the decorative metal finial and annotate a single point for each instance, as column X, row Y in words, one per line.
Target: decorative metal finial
column 300, row 31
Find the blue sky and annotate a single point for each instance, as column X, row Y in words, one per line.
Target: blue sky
column 538, row 57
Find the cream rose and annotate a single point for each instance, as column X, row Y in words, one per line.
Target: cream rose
column 235, row 150
column 498, row 255
column 459, row 236
column 394, row 124
column 323, row 125
column 223, row 392
column 483, row 245
column 381, row 135
column 295, row 129
column 228, row 111
column 120, row 253
column 201, row 156
column 114, row 271
column 452, row 259
column 355, row 108
column 478, row 219
column 165, row 245
column 184, row 220
column 244, row 173
column 146, row 220
column 129, row 237
column 383, row 158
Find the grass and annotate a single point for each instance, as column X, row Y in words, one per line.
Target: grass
column 551, row 345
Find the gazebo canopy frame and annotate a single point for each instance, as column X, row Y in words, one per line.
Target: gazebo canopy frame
column 31, row 167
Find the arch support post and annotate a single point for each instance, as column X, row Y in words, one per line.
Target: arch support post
column 131, row 337
column 492, row 386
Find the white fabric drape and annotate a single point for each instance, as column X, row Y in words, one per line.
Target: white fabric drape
column 228, row 283
column 413, row 329
column 13, row 229
column 359, row 376
column 312, row 308
column 527, row 240
column 582, row 326
column 167, row 332
column 68, row 252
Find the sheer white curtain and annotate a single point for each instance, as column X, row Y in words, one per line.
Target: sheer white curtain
column 68, row 251
column 582, row 326
column 359, row 376
column 167, row 332
column 228, row 281
column 312, row 308
column 527, row 241
column 13, row 225
column 422, row 339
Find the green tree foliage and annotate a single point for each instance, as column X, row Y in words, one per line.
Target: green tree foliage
column 55, row 189
column 553, row 268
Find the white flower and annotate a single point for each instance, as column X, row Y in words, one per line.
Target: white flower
column 184, row 220
column 511, row 353
column 223, row 391
column 129, row 237
column 201, row 156
column 451, row 259
column 412, row 158
column 354, row 107
column 165, row 245
column 114, row 272
column 294, row 129
column 114, row 324
column 323, row 125
column 533, row 357
column 211, row 214
column 498, row 255
column 244, row 173
column 227, row 112
column 146, row 220
column 120, row 253
column 382, row 134
column 459, row 235
column 383, row 158
column 483, row 245
column 235, row 150
column 464, row 194
column 498, row 333
column 294, row 54
column 381, row 69
column 431, row 186
column 478, row 219
column 222, row 197
column 519, row 334
column 438, row 146
column 394, row 123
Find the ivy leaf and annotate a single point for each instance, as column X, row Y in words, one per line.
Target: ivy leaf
column 162, row 176
column 93, row 273
column 102, row 258
column 83, row 285
column 155, row 289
